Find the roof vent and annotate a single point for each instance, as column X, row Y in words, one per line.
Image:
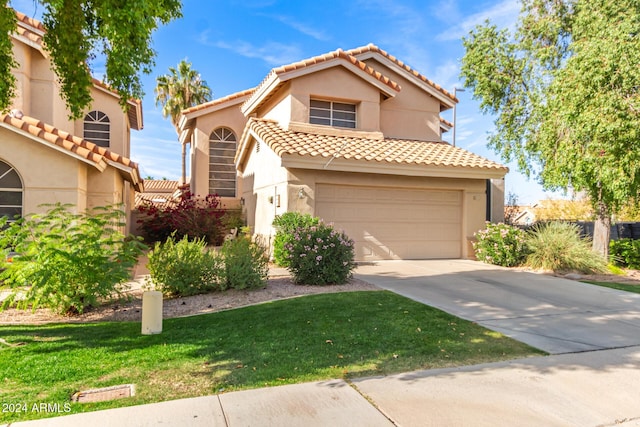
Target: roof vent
column 16, row 113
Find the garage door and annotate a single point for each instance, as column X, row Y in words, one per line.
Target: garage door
column 395, row 223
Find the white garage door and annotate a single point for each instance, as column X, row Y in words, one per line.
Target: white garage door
column 395, row 223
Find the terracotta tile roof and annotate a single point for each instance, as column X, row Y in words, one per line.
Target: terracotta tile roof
column 219, row 101
column 162, row 193
column 376, row 49
column 160, row 186
column 30, row 29
column 98, row 156
column 383, row 151
column 278, row 76
column 29, row 21
column 342, row 55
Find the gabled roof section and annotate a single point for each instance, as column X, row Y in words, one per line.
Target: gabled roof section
column 134, row 106
column 447, row 99
column 188, row 115
column 278, row 76
column 353, row 154
column 31, row 31
column 74, row 146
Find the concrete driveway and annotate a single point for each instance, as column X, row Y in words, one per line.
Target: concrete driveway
column 553, row 314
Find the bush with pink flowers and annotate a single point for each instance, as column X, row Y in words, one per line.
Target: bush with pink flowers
column 320, row 255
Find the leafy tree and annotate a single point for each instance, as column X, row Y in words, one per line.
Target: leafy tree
column 78, row 32
column 571, row 210
column 564, row 88
column 181, row 88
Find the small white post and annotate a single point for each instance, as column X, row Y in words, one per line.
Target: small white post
column 151, row 312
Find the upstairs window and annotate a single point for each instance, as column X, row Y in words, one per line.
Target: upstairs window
column 10, row 192
column 222, row 169
column 331, row 113
column 96, row 128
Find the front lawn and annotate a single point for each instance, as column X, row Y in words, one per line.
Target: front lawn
column 619, row 286
column 303, row 339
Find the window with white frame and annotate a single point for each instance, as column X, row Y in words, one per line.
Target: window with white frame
column 10, row 192
column 96, row 128
column 332, row 113
column 222, row 169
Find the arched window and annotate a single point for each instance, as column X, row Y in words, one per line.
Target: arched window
column 10, row 191
column 96, row 128
column 222, row 170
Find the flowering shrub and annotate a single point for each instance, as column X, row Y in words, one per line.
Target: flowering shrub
column 286, row 225
column 500, row 244
column 192, row 217
column 320, row 255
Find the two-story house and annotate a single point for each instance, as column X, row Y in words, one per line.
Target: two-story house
column 47, row 158
column 354, row 137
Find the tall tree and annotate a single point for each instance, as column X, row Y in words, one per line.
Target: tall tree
column 78, row 31
column 565, row 91
column 181, row 88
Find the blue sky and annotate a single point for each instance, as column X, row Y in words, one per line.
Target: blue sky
column 234, row 45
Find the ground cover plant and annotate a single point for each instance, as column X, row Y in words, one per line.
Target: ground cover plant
column 302, row 339
column 619, row 286
column 67, row 261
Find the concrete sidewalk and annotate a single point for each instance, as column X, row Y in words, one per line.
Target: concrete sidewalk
column 598, row 388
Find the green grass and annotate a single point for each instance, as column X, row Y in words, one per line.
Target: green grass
column 290, row 341
column 619, row 286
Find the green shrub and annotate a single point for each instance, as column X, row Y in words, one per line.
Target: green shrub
column 320, row 255
column 500, row 244
column 625, row 253
column 286, row 225
column 185, row 268
column 246, row 264
column 68, row 262
column 558, row 246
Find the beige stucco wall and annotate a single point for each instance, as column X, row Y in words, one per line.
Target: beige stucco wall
column 264, row 184
column 48, row 177
column 336, row 84
column 119, row 131
column 412, row 113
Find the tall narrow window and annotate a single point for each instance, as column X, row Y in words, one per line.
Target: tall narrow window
column 332, row 114
column 222, row 169
column 96, row 128
column 10, row 191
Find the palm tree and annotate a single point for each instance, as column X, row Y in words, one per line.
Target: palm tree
column 181, row 88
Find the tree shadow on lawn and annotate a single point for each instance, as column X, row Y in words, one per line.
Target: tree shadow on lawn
column 303, row 339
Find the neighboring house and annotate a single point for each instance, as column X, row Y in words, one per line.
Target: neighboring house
column 46, row 158
column 521, row 215
column 354, row 137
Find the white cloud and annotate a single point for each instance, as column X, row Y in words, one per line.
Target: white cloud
column 303, row 28
column 503, row 14
column 273, row 53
